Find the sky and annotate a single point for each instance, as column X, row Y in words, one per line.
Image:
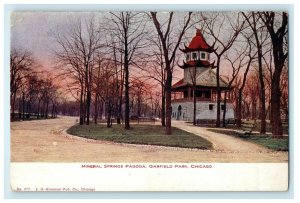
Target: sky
column 33, row 31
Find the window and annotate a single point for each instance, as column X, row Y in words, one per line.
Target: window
column 185, row 94
column 223, row 107
column 211, row 107
column 194, row 55
column 203, row 55
column 207, row 94
column 187, row 56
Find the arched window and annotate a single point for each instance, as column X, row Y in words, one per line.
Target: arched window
column 179, row 110
column 188, row 56
column 202, row 55
column 194, row 55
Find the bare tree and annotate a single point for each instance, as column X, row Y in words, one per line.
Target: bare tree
column 253, row 21
column 236, row 65
column 21, row 63
column 278, row 30
column 250, row 95
column 250, row 57
column 129, row 29
column 284, row 84
column 77, row 48
column 155, row 70
column 169, row 48
column 216, row 26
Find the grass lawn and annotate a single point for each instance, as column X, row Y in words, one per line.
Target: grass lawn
column 141, row 134
column 285, row 126
column 264, row 140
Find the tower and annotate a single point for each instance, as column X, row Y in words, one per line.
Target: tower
column 197, row 57
column 198, row 74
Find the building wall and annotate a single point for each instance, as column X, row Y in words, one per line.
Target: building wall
column 203, row 111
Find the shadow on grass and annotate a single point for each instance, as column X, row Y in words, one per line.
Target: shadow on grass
column 263, row 140
column 141, row 134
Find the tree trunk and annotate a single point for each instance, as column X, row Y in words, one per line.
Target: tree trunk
column 224, row 110
column 46, row 114
column 239, row 109
column 240, row 94
column 168, row 85
column 163, row 107
column 52, row 111
column 20, row 108
column 38, row 109
column 120, row 107
column 28, row 109
column 126, row 71
column 81, row 114
column 262, row 93
column 88, row 103
column 262, row 101
column 109, row 110
column 88, row 91
column 279, row 59
column 254, row 116
column 13, row 107
column 127, row 124
column 96, row 108
column 194, row 103
column 23, row 106
column 218, row 122
column 84, row 106
column 277, row 131
column 139, row 106
column 101, row 110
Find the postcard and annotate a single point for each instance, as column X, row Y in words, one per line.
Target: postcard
column 149, row 101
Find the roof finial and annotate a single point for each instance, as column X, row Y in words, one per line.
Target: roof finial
column 198, row 32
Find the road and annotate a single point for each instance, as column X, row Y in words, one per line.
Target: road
column 47, row 141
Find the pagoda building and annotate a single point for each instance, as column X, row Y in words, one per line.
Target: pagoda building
column 199, row 74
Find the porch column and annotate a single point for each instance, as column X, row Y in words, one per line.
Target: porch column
column 189, row 92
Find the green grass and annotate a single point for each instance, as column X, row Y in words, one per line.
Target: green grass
column 141, row 134
column 285, row 126
column 263, row 140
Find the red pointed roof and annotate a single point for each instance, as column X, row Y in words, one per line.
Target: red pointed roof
column 198, row 43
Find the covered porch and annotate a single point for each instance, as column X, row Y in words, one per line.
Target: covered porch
column 201, row 93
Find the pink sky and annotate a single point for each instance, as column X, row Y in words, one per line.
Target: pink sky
column 31, row 31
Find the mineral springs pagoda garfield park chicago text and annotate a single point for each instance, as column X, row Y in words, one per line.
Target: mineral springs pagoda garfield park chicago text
column 198, row 73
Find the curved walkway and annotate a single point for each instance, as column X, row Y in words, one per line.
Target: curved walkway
column 45, row 141
column 220, row 141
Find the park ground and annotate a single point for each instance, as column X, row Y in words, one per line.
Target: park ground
column 48, row 141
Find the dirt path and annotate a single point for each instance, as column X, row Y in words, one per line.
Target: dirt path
column 221, row 142
column 45, row 141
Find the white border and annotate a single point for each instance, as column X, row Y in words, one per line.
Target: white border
column 296, row 63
